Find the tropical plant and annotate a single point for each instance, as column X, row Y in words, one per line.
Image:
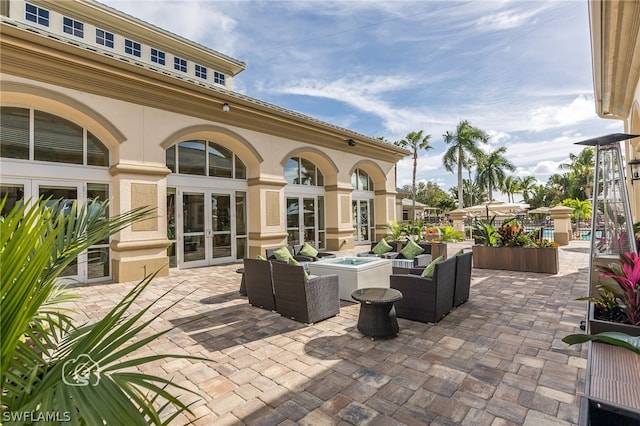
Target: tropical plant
column 491, row 170
column 526, row 186
column 581, row 209
column 485, row 233
column 510, row 186
column 463, row 145
column 581, row 167
column 612, row 337
column 607, row 304
column 50, row 364
column 448, row 234
column 627, row 275
column 394, row 230
column 415, row 141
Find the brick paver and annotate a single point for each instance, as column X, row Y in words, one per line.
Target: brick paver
column 496, row 360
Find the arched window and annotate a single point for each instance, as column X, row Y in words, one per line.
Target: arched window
column 205, row 158
column 55, row 139
column 300, row 171
column 361, row 181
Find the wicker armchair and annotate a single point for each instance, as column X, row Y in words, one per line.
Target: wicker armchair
column 463, row 278
column 320, row 255
column 303, row 299
column 298, row 257
column 259, row 284
column 426, row 299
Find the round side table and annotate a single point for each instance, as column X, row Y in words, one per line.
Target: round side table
column 377, row 315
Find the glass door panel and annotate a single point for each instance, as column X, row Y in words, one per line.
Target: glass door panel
column 64, row 196
column 193, row 227
column 293, row 221
column 98, row 262
column 309, row 220
column 14, row 194
column 361, row 221
column 221, row 225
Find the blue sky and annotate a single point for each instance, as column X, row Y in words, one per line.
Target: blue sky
column 519, row 70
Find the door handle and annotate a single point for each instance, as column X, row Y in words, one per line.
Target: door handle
column 209, row 233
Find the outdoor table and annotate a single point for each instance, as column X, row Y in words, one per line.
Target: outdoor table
column 243, row 285
column 377, row 315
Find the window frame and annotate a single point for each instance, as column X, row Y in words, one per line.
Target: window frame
column 41, row 16
column 72, row 27
column 158, row 56
column 103, row 39
column 132, row 48
column 219, row 78
column 201, row 71
column 180, row 64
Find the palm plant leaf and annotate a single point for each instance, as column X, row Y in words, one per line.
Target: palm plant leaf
column 40, row 341
column 612, row 337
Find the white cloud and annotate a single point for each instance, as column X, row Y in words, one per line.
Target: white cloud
column 546, row 117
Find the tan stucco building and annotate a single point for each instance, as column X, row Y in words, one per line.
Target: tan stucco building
column 98, row 104
column 615, row 41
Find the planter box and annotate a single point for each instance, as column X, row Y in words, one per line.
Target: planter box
column 524, row 259
column 434, row 249
column 600, row 326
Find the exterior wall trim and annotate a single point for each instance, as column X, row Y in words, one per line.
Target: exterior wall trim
column 138, row 169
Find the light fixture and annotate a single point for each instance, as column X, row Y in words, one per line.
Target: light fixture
column 635, row 169
column 225, row 107
column 351, row 142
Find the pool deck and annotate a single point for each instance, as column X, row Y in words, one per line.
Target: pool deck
column 496, row 360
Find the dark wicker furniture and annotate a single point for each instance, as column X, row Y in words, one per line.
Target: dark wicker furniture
column 320, row 255
column 426, row 299
column 377, row 316
column 298, row 257
column 464, row 262
column 303, row 299
column 259, row 283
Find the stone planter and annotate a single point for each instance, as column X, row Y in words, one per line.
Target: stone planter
column 600, row 326
column 436, row 249
column 524, row 259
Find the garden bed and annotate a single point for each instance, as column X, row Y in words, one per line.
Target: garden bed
column 524, row 259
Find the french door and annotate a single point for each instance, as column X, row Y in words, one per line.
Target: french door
column 93, row 264
column 206, row 223
column 363, row 221
column 305, row 220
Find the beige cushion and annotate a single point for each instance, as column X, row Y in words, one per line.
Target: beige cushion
column 411, row 250
column 431, row 268
column 308, row 250
column 381, row 248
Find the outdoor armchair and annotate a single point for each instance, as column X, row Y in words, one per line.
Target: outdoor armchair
column 426, row 299
column 420, row 261
column 259, row 283
column 463, row 278
column 303, row 299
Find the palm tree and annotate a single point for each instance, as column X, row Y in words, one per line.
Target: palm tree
column 463, row 145
column 527, row 185
column 491, row 170
column 510, row 186
column 415, row 141
column 582, row 166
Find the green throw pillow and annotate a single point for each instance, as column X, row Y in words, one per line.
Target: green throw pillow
column 292, row 261
column 431, row 268
column 459, row 252
column 381, row 248
column 261, row 257
column 411, row 250
column 283, row 254
column 308, row 250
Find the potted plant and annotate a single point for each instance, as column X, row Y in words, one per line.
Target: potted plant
column 617, row 309
column 510, row 247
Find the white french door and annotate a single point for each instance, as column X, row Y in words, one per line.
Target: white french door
column 363, row 221
column 206, row 235
column 93, row 264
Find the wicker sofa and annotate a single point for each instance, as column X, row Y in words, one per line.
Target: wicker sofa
column 426, row 299
column 303, row 299
column 320, row 255
column 298, row 257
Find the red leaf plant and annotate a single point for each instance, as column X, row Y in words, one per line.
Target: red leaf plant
column 627, row 275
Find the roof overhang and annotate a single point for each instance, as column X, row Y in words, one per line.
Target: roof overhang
column 615, row 46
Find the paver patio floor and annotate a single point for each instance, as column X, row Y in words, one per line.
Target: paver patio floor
column 496, row 360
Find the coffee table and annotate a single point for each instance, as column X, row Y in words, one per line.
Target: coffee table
column 377, row 315
column 354, row 272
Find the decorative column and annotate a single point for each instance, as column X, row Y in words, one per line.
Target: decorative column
column 561, row 216
column 385, row 203
column 458, row 216
column 266, row 217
